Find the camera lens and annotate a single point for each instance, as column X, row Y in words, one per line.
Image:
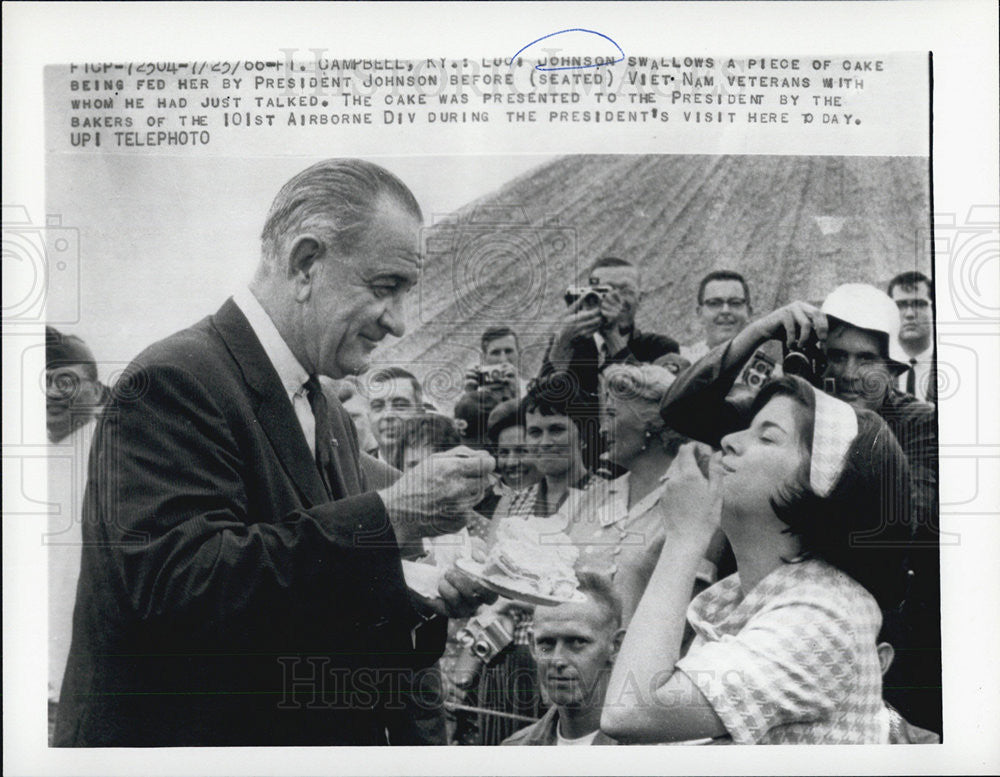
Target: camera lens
column 796, row 363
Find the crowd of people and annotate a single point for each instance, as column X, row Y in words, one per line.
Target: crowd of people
column 755, row 514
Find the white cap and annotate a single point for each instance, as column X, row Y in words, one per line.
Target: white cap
column 866, row 307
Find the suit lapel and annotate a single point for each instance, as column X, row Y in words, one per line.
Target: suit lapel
column 272, row 407
column 932, row 380
column 345, row 475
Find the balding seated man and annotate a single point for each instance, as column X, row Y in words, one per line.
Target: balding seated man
column 575, row 645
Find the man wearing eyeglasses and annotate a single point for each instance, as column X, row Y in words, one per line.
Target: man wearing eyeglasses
column 599, row 329
column 723, row 310
column 590, row 335
column 913, row 295
column 73, row 398
column 73, row 393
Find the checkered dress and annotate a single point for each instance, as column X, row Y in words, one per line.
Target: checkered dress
column 792, row 662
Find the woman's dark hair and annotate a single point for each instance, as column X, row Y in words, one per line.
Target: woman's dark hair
column 559, row 394
column 863, row 526
column 428, row 430
column 472, row 412
column 503, row 416
column 62, row 350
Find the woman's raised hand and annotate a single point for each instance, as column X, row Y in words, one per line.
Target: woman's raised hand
column 691, row 504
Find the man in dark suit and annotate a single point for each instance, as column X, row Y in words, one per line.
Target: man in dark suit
column 589, row 337
column 913, row 293
column 241, row 583
column 598, row 330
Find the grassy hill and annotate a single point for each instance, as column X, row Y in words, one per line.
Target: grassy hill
column 794, row 226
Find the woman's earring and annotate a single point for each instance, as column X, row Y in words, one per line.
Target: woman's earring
column 646, row 438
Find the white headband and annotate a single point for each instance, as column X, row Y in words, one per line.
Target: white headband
column 834, row 429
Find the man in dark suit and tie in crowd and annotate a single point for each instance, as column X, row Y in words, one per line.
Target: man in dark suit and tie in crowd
column 914, row 296
column 241, row 583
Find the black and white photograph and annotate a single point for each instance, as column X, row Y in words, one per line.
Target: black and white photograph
column 586, row 396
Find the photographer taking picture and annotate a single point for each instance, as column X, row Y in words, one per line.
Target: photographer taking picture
column 599, row 328
column 499, row 372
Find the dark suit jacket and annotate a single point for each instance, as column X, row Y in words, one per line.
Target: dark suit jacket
column 222, row 599
column 642, row 348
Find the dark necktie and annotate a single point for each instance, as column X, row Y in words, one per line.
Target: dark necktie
column 324, row 445
column 911, row 378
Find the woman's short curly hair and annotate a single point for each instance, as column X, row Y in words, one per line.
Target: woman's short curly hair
column 646, row 384
column 638, row 381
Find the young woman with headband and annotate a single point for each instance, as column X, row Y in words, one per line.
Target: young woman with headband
column 812, row 497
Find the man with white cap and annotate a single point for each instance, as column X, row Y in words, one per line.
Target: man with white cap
column 856, row 329
column 854, row 332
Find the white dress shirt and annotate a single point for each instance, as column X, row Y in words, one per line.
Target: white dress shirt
column 292, row 374
column 695, row 351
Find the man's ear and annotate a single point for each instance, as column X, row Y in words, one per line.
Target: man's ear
column 886, row 653
column 616, row 643
column 302, row 264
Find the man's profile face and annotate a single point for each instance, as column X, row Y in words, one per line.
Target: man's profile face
column 574, row 645
column 356, row 299
column 625, row 281
column 914, row 313
column 723, row 311
column 854, row 360
column 503, row 350
column 554, row 442
column 390, row 401
column 71, row 397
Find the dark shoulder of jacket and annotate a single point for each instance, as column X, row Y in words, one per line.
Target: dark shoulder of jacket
column 906, row 406
column 650, row 346
column 197, row 350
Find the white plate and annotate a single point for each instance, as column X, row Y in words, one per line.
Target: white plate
column 519, row 590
